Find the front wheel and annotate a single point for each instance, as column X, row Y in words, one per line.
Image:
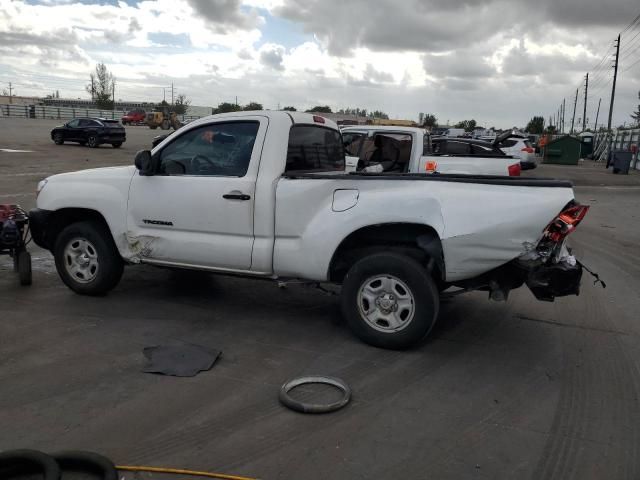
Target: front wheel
column 58, row 139
column 116, row 145
column 87, row 259
column 389, row 300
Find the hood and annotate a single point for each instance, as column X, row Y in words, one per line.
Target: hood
column 95, row 174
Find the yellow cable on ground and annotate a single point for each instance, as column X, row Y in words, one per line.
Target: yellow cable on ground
column 177, row 471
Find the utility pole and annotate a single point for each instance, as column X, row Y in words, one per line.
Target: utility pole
column 584, row 114
column 595, row 126
column 564, row 106
column 573, row 119
column 171, row 93
column 10, row 91
column 113, row 94
column 613, row 95
column 236, row 100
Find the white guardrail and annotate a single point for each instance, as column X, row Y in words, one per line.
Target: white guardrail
column 67, row 113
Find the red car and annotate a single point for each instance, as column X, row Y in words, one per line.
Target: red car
column 133, row 117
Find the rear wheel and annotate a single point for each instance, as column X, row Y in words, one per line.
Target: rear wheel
column 389, row 300
column 92, row 141
column 58, row 139
column 87, row 259
column 116, row 145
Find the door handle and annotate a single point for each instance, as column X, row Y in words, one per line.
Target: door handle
column 236, row 196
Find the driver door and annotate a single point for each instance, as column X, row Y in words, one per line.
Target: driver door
column 71, row 130
column 198, row 209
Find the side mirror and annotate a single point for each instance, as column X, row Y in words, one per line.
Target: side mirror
column 144, row 163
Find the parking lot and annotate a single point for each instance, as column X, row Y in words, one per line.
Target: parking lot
column 521, row 389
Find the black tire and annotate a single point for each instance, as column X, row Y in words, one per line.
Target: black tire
column 58, row 139
column 417, row 284
column 116, row 145
column 24, row 268
column 105, row 271
column 21, row 462
column 80, row 461
column 92, row 141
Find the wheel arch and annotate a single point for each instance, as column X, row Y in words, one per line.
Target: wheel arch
column 419, row 241
column 62, row 218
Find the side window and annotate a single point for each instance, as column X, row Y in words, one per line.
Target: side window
column 85, row 123
column 508, row 143
column 73, row 123
column 457, row 148
column 480, row 150
column 94, row 123
column 314, row 149
column 219, row 149
column 352, row 143
column 426, row 144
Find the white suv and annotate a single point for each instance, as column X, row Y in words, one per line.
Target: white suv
column 521, row 148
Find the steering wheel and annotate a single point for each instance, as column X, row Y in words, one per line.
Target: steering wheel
column 197, row 161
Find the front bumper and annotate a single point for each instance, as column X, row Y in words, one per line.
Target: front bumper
column 40, row 222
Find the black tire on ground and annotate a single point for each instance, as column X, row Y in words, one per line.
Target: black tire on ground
column 418, row 291
column 95, row 239
column 15, row 463
column 117, row 144
column 92, row 141
column 24, row 268
column 58, row 139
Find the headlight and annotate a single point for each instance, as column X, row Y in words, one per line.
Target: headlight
column 40, row 186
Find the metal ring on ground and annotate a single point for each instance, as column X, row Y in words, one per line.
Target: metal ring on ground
column 305, row 407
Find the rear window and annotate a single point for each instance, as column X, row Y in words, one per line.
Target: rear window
column 508, row 143
column 314, row 149
column 457, row 148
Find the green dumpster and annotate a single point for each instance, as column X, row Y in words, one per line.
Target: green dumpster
column 563, row 151
column 586, row 147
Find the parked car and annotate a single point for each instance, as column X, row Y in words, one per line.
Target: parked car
column 265, row 195
column 137, row 116
column 412, row 150
column 92, row 132
column 519, row 147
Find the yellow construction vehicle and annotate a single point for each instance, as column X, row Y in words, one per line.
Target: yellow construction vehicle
column 163, row 118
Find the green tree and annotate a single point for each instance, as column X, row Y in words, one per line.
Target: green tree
column 320, row 109
column 468, row 125
column 102, row 86
column 290, row 109
column 429, row 120
column 551, row 129
column 379, row 114
column 226, row 107
column 253, row 106
column 535, row 125
column 181, row 105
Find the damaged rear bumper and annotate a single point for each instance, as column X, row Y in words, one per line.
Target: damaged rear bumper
column 548, row 281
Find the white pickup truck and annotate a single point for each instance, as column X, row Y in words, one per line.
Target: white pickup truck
column 413, row 150
column 264, row 194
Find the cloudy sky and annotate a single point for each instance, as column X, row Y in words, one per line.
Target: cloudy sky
column 498, row 61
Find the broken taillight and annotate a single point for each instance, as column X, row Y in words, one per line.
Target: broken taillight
column 528, row 150
column 431, row 166
column 514, row 170
column 566, row 222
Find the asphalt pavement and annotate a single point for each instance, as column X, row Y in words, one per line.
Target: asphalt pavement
column 522, row 389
